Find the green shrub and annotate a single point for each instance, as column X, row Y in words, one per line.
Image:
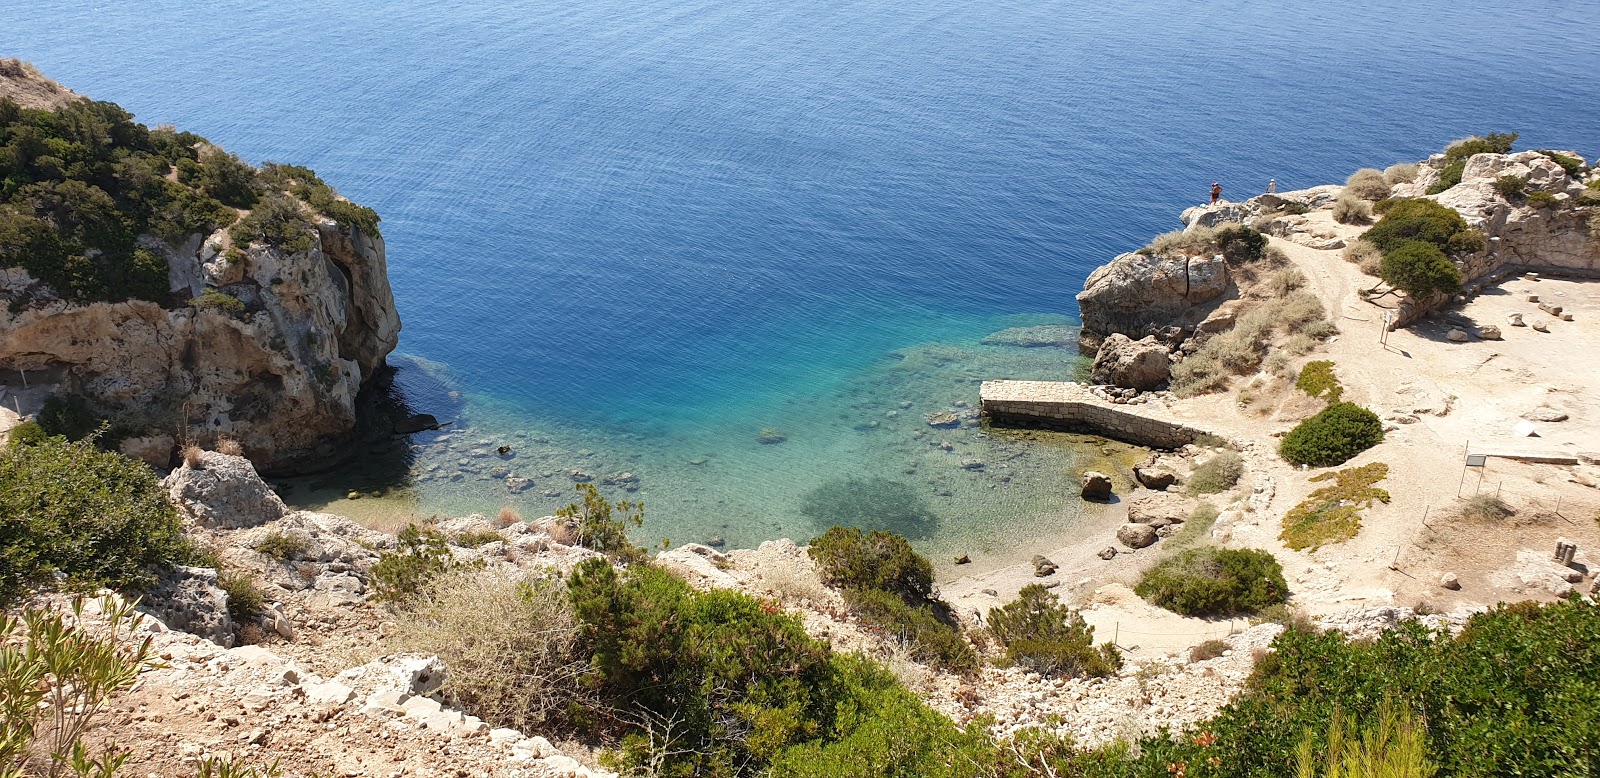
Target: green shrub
column 25, row 434
column 67, row 416
column 1217, row 474
column 1046, row 637
column 1295, row 208
column 1333, row 513
column 603, row 527
column 222, row 302
column 1419, row 220
column 1512, row 694
column 57, row 678
column 1573, row 165
column 1542, row 199
column 1396, row 747
column 850, row 559
column 1449, row 176
column 282, row 546
column 1510, row 187
column 402, row 575
column 98, row 518
column 278, row 222
column 723, row 680
column 246, row 602
column 1240, row 244
column 925, row 630
column 1317, row 380
column 228, row 179
column 1350, row 209
column 1211, row 581
column 1457, row 153
column 1420, row 269
column 1366, row 184
column 476, row 537
column 1339, row 432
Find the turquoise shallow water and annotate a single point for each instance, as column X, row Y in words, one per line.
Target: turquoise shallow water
column 630, row 235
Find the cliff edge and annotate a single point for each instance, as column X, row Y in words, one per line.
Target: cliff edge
column 170, row 291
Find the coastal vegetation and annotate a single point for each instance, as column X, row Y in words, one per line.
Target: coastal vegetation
column 1217, row 474
column 1337, row 433
column 95, row 518
column 1243, row 349
column 1350, row 209
column 1416, row 238
column 1333, row 513
column 1046, row 637
column 81, row 184
column 1212, row 581
column 1367, row 184
column 1457, row 153
column 1318, row 380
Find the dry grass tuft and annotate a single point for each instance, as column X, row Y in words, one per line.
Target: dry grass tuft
column 1211, row 649
column 193, row 457
column 230, row 447
column 1364, row 255
column 1350, row 209
column 512, row 647
column 508, row 516
column 1485, row 507
column 1402, row 173
column 1367, row 184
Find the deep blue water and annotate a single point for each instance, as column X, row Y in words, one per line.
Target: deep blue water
column 644, row 230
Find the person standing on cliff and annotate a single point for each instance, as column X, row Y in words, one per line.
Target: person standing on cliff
column 1272, row 186
column 1216, row 192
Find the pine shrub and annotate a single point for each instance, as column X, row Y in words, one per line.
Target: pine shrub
column 1046, row 637
column 1333, row 436
column 850, row 559
column 1211, row 581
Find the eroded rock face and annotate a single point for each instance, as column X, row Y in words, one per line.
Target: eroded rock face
column 1132, row 364
column 281, row 377
column 189, row 599
column 224, row 492
column 1138, row 294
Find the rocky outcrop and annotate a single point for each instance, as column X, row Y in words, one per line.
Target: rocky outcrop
column 223, row 492
column 278, row 370
column 189, row 599
column 1140, row 294
column 1133, row 364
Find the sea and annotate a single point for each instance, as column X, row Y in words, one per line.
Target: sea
column 724, row 257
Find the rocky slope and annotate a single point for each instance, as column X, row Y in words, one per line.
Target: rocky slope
column 279, row 373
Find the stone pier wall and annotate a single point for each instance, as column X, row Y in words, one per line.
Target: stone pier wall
column 1072, row 407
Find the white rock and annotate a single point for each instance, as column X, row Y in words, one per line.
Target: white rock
column 329, row 693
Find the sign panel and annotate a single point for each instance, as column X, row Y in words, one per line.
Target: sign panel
column 1477, row 460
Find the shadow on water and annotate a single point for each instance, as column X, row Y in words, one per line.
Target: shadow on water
column 871, row 503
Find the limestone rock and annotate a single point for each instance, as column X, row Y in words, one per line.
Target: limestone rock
column 1540, row 325
column 1096, row 486
column 699, row 565
column 1136, row 535
column 1132, row 364
column 1043, row 567
column 1136, row 293
column 1515, row 320
column 189, row 599
column 1450, row 581
column 1160, row 509
column 1545, row 415
column 1157, row 478
column 943, row 419
column 1108, row 553
column 1459, row 336
column 154, row 450
column 224, row 492
column 1489, row 332
column 280, row 378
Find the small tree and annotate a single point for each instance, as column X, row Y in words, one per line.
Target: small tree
column 1420, row 269
column 1332, row 437
column 1049, row 638
column 603, row 527
column 847, row 558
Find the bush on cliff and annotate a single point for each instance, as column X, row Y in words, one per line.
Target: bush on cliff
column 95, row 517
column 1333, row 436
column 1457, row 153
column 1367, row 184
column 406, row 573
column 1420, row 270
column 1240, row 244
column 1350, row 209
column 1043, row 636
column 602, row 526
column 1211, row 581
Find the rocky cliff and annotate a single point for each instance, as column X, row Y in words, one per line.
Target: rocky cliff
column 266, row 337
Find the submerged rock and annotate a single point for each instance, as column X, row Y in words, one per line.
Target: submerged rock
column 1048, row 335
column 770, row 436
column 943, row 419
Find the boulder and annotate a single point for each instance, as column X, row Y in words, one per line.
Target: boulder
column 1132, row 364
column 224, row 492
column 943, row 419
column 1450, row 581
column 416, row 423
column 1208, row 278
column 1096, row 486
column 1160, row 509
column 1141, row 293
column 1540, row 325
column 1489, row 332
column 1515, row 320
column 154, row 450
column 188, row 599
column 1458, row 336
column 1136, row 535
column 1157, row 478
column 1108, row 553
column 1043, row 567
column 1545, row 415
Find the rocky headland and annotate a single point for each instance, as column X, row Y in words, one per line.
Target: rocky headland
column 265, row 339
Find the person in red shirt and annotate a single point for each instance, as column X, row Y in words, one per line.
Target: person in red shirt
column 1216, row 192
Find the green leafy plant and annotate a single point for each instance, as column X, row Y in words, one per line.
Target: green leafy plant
column 1240, row 244
column 1573, row 165
column 423, row 555
column 1210, row 581
column 1395, row 747
column 222, row 302
column 55, row 680
column 1542, row 199
column 1333, row 513
column 602, row 526
column 97, row 518
column 925, row 629
column 1317, row 380
column 1420, row 270
column 282, row 546
column 848, row 558
column 1333, row 436
column 1046, row 637
column 1510, row 187
column 246, row 601
column 1457, row 153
